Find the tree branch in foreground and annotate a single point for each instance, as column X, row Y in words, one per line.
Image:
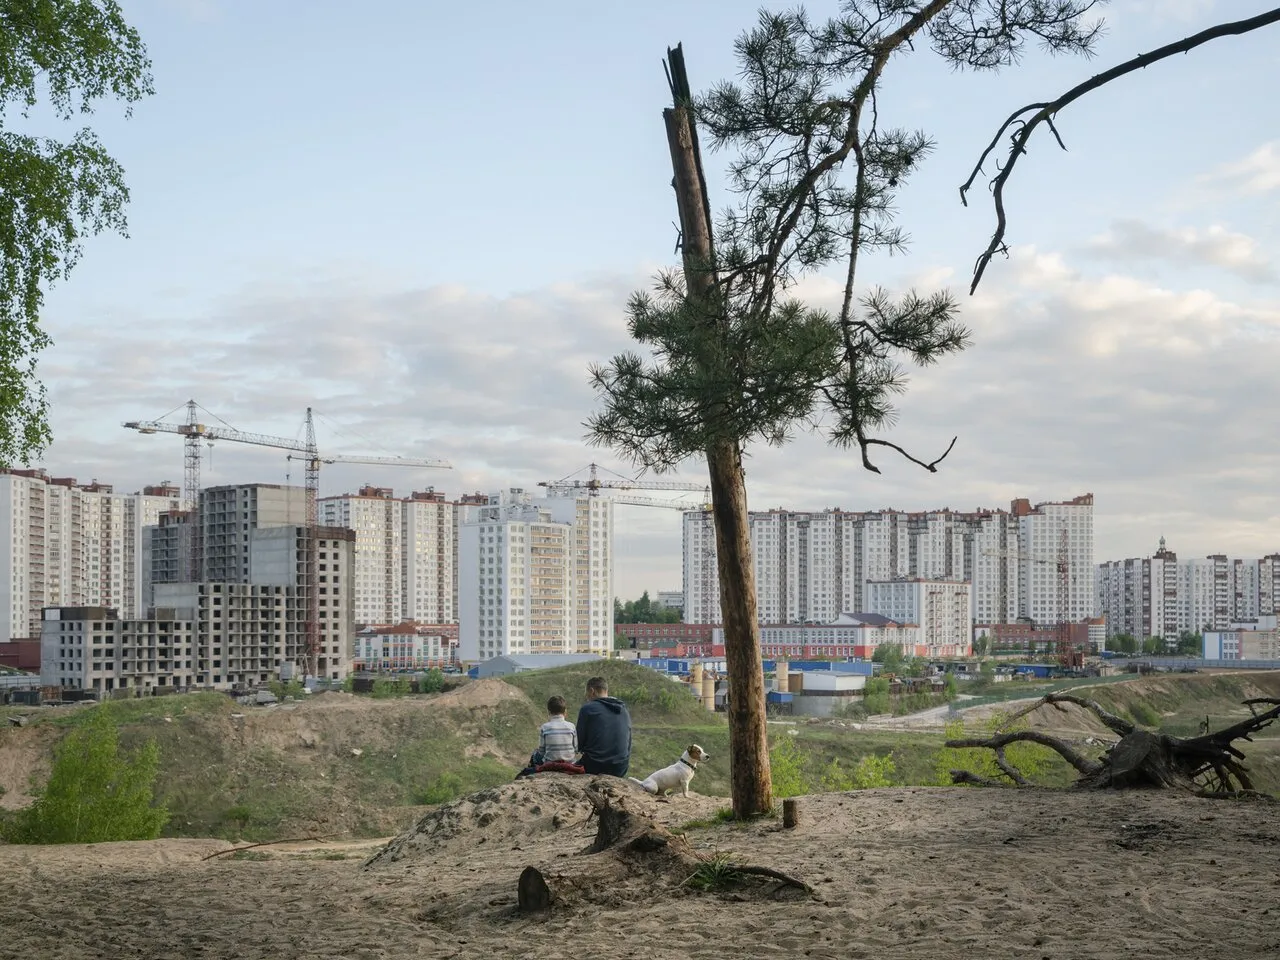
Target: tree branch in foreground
column 1026, row 119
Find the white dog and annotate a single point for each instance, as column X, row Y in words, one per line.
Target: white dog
column 676, row 776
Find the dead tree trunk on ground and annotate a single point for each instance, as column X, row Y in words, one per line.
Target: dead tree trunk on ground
column 636, row 848
column 1209, row 764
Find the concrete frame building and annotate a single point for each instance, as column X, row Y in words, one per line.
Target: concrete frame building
column 811, row 566
column 217, row 635
column 73, row 544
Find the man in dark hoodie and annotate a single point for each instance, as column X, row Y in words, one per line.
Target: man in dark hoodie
column 604, row 731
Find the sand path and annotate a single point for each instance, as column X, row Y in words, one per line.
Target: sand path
column 921, row 873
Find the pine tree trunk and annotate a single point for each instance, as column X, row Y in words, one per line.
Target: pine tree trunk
column 752, row 789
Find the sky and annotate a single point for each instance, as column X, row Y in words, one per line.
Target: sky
column 424, row 221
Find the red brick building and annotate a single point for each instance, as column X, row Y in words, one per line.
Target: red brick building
column 668, row 639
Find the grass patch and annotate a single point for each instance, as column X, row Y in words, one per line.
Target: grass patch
column 721, row 817
column 650, row 697
column 145, row 709
column 720, row 872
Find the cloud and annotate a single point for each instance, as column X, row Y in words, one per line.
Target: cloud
column 1134, row 241
column 1080, row 379
column 1257, row 173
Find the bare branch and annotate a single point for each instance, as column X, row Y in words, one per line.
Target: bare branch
column 1044, row 113
column 1009, row 770
column 1117, row 725
column 931, row 466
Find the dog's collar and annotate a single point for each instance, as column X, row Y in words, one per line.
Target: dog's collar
column 691, row 766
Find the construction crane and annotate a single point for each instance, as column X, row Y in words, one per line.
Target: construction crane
column 593, row 484
column 193, row 432
column 1070, row 656
column 710, row 579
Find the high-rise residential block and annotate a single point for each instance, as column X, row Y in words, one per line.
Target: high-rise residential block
column 1162, row 596
column 939, row 607
column 406, row 552
column 812, row 566
column 535, row 576
column 63, row 543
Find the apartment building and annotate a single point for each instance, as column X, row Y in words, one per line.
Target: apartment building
column 65, row 543
column 1162, row 596
column 812, row 566
column 939, row 607
column 90, row 648
column 536, row 576
column 217, row 635
column 406, row 552
column 228, row 517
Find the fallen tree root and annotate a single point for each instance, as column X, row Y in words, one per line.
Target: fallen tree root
column 1207, row 765
column 630, row 846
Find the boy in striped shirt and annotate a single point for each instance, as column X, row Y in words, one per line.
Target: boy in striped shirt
column 558, row 738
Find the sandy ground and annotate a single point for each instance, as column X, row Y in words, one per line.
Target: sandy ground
column 922, row 873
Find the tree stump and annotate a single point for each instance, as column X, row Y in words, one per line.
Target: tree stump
column 629, row 846
column 790, row 813
column 532, row 893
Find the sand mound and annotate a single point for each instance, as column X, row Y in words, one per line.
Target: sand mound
column 480, row 693
column 523, row 809
column 521, row 813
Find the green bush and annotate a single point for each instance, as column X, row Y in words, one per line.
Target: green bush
column 869, row 772
column 1030, row 759
column 875, row 697
column 786, row 766
column 387, row 689
column 446, row 787
column 872, row 772
column 95, row 794
column 291, row 689
column 431, row 682
column 949, row 687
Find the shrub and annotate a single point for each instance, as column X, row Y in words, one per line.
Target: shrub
column 431, row 682
column 386, row 689
column 446, row 787
column 949, row 687
column 95, row 794
column 869, row 772
column 1028, row 758
column 875, row 697
column 786, row 764
column 872, row 772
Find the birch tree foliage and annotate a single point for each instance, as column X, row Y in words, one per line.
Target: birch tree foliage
column 63, row 57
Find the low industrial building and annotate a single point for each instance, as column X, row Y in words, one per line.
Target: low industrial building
column 850, row 635
column 508, row 664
